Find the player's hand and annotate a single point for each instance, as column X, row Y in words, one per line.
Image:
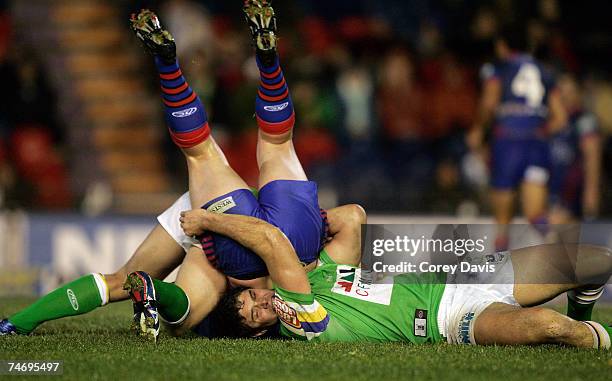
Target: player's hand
column 193, row 222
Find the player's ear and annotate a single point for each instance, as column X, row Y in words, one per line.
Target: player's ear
column 260, row 333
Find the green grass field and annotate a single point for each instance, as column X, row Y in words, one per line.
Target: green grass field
column 99, row 346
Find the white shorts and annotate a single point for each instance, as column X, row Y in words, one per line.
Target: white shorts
column 465, row 297
column 169, row 220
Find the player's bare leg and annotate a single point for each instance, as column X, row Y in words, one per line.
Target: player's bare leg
column 559, row 215
column 534, row 199
column 181, row 305
column 210, row 175
column 204, row 286
column 534, row 203
column 545, row 271
column 525, row 326
column 502, row 202
column 159, row 254
column 542, row 273
column 276, row 155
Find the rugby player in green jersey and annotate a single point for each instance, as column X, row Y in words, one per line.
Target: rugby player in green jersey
column 333, row 303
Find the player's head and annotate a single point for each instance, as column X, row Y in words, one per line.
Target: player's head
column 245, row 312
column 511, row 38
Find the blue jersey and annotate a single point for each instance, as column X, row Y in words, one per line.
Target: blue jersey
column 565, row 145
column 566, row 160
column 526, row 86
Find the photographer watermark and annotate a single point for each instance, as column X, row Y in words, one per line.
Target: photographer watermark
column 467, row 253
column 410, row 246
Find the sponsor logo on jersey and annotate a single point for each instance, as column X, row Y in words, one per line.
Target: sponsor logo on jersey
column 276, row 108
column 286, row 313
column 345, row 279
column 185, row 113
column 349, row 282
column 222, row 205
column 73, row 299
column 420, row 323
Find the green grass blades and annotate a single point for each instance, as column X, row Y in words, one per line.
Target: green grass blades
column 100, row 346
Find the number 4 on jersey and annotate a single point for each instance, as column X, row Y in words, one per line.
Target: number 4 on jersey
column 528, row 84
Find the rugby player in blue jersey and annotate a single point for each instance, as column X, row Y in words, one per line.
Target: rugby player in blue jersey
column 519, row 99
column 575, row 153
column 286, row 199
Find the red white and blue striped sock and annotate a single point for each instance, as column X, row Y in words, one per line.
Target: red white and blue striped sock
column 185, row 113
column 273, row 105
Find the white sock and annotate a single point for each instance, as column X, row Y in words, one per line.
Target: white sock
column 601, row 337
column 585, row 296
column 102, row 288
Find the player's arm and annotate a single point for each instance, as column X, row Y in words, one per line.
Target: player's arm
column 265, row 240
column 557, row 115
column 345, row 228
column 590, row 146
column 489, row 100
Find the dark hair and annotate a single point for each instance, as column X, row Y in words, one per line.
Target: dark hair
column 227, row 319
column 515, row 36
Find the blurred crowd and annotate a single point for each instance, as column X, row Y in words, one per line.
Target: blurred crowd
column 384, row 91
column 33, row 169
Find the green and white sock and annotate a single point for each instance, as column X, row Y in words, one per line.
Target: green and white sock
column 601, row 334
column 78, row 297
column 172, row 302
column 580, row 302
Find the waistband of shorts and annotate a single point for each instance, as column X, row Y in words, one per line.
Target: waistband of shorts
column 281, row 182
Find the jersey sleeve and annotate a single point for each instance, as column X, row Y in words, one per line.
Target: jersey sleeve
column 301, row 315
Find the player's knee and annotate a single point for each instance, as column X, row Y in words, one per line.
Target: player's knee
column 550, row 326
column 593, row 264
column 601, row 256
column 357, row 214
